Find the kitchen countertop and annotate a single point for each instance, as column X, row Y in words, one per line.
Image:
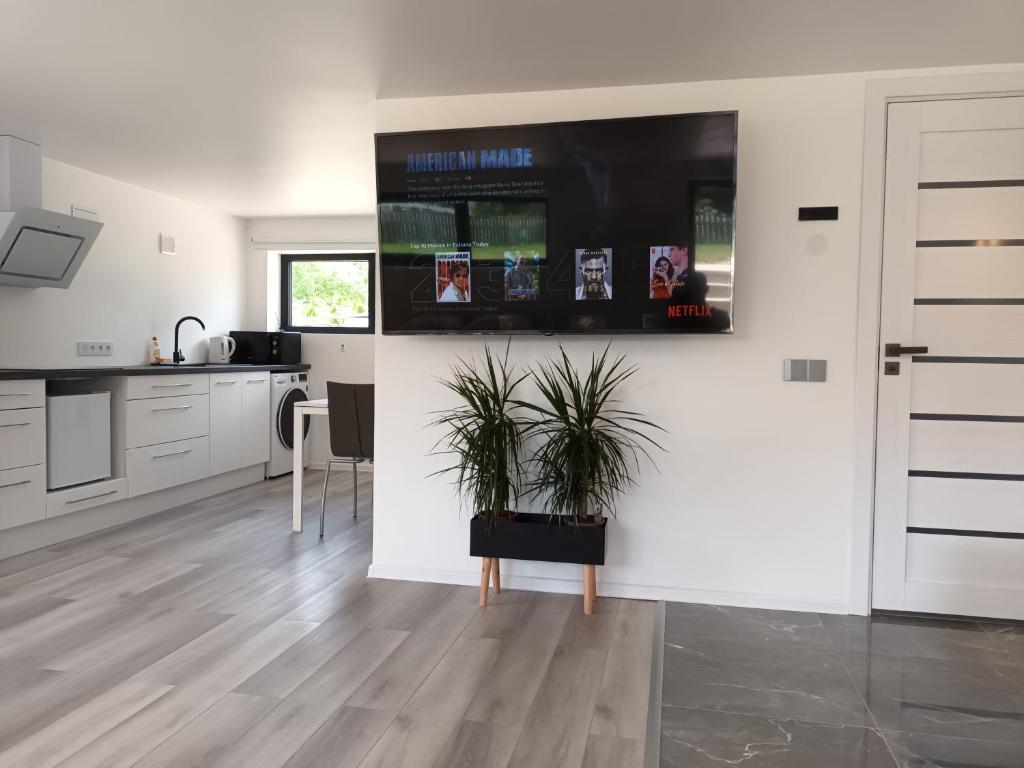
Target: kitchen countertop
column 13, row 374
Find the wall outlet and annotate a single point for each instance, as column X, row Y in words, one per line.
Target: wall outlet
column 94, row 348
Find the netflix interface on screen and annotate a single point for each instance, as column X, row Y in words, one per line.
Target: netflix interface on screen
column 610, row 226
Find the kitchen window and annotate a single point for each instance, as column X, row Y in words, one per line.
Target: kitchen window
column 327, row 293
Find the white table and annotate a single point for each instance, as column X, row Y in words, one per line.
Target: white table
column 306, row 408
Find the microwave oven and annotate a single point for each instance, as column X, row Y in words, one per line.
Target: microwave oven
column 267, row 347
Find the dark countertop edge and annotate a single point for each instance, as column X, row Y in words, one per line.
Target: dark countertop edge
column 21, row 374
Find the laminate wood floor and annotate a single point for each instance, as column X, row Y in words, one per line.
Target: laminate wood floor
column 211, row 635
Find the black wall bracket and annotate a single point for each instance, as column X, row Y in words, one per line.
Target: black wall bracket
column 819, row 213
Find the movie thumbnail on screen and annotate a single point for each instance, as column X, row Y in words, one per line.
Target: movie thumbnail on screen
column 593, row 274
column 670, row 266
column 452, row 273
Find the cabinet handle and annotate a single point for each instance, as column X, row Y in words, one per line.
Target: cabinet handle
column 172, row 453
column 256, row 381
column 15, row 394
column 20, row 482
column 19, row 424
column 90, row 498
column 218, row 383
column 172, row 408
column 171, row 386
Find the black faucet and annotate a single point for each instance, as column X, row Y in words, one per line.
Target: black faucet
column 178, row 357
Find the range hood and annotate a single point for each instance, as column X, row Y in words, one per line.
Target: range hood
column 38, row 248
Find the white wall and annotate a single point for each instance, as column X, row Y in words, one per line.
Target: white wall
column 334, row 357
column 126, row 292
column 752, row 505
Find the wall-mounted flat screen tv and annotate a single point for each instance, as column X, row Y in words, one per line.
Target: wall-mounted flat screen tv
column 600, row 226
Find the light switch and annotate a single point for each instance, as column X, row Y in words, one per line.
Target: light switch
column 816, row 370
column 794, row 370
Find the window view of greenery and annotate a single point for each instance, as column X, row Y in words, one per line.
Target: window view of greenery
column 330, row 294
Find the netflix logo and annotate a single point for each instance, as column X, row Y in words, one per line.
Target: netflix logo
column 689, row 310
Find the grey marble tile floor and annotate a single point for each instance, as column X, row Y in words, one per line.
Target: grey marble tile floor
column 780, row 689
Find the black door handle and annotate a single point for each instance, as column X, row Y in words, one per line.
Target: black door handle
column 895, row 350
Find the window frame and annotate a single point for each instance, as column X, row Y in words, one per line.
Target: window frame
column 287, row 259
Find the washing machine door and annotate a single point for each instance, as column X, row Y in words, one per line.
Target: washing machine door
column 286, row 418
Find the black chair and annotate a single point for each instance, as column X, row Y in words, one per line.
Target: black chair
column 350, row 419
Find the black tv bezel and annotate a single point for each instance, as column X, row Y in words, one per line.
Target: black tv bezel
column 557, row 332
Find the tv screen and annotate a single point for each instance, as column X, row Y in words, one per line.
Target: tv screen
column 600, row 226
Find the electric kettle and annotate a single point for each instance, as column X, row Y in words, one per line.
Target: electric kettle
column 221, row 349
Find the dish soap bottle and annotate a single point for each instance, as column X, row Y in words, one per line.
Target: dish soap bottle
column 154, row 352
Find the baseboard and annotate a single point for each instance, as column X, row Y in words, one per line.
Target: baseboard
column 45, row 533
column 613, row 589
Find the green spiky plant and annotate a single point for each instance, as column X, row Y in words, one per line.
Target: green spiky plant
column 589, row 448
column 484, row 435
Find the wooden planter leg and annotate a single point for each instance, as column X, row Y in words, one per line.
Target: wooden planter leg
column 588, row 590
column 485, row 578
column 593, row 585
column 496, row 575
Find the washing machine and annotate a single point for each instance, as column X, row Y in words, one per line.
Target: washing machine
column 286, row 389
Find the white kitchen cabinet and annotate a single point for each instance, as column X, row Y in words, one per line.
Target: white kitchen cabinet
column 22, row 394
column 155, row 467
column 22, row 437
column 22, row 452
column 255, row 418
column 165, row 419
column 22, row 495
column 81, row 497
column 166, row 385
column 226, row 394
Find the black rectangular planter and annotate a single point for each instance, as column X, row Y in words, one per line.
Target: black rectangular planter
column 533, row 536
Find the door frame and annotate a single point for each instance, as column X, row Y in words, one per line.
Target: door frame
column 984, row 82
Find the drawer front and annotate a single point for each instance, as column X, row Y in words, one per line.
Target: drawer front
column 22, row 496
column 85, row 496
column 163, row 466
column 165, row 419
column 166, row 385
column 22, row 437
column 22, row 394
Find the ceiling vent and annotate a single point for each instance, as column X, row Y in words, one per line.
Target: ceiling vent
column 167, row 247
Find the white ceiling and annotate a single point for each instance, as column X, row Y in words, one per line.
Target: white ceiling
column 265, row 107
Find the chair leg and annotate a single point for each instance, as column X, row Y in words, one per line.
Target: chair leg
column 323, row 499
column 355, row 492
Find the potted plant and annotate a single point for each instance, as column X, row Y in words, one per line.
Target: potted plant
column 485, row 436
column 588, row 449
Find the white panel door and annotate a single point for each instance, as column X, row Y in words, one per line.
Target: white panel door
column 949, row 501
column 225, row 422
column 255, row 418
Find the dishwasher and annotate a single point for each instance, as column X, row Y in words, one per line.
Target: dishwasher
column 77, row 439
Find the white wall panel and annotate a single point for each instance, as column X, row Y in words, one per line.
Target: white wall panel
column 981, row 389
column 754, row 492
column 970, row 214
column 985, row 331
column 970, row 273
column 972, row 155
column 967, row 446
column 966, row 504
column 965, row 560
